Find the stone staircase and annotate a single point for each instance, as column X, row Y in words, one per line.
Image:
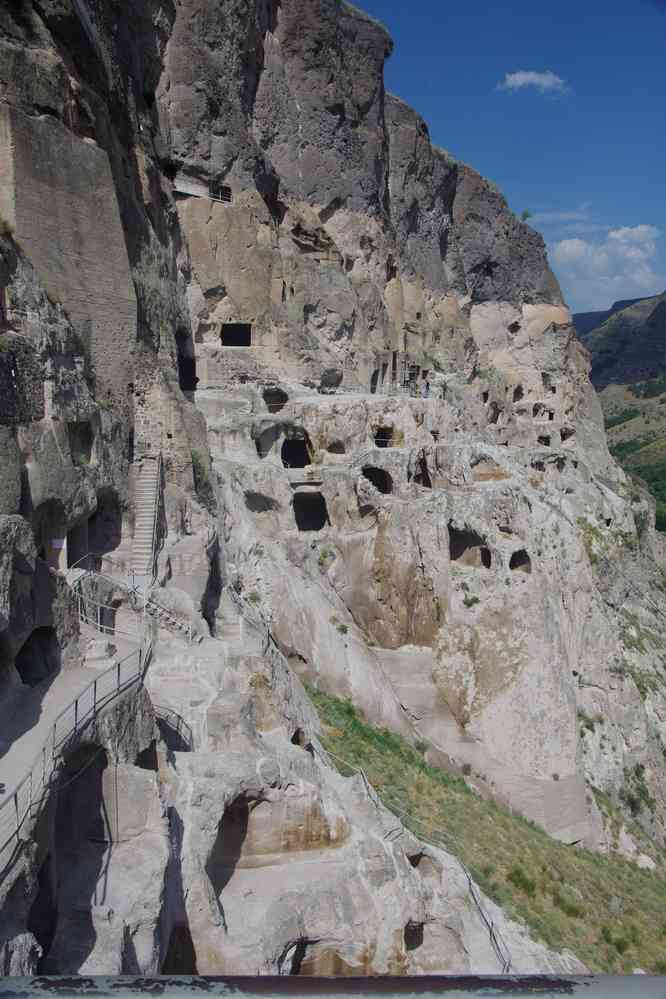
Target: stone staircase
column 145, row 512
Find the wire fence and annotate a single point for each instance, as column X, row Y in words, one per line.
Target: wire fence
column 437, row 837
column 23, row 802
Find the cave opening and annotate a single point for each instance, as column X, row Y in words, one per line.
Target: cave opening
column 105, row 525
column 39, row 656
column 374, row 378
column 520, row 562
column 380, row 478
column 81, row 438
column 422, row 475
column 384, row 437
column 236, row 335
column 275, row 398
column 468, row 548
column 295, row 452
column 187, row 365
column 336, row 447
column 518, row 393
column 413, row 935
column 310, row 511
column 544, row 441
column 566, row 433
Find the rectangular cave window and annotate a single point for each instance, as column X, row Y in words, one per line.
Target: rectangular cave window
column 236, row 335
column 221, row 192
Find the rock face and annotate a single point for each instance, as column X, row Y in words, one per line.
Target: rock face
column 383, row 470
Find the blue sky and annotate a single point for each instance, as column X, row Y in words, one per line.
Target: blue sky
column 563, row 106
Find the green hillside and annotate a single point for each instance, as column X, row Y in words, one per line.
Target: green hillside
column 606, row 910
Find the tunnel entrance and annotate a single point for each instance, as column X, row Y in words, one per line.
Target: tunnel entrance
column 236, row 335
column 468, row 548
column 295, row 452
column 380, row 478
column 39, row 656
column 384, row 437
column 521, row 562
column 310, row 511
column 275, row 398
column 187, row 365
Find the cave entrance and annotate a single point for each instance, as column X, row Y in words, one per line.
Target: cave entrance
column 422, row 476
column 105, row 525
column 295, row 452
column 187, row 365
column 77, row 544
column 468, row 548
column 310, row 511
column 380, row 478
column 384, row 437
column 275, row 398
column 81, row 438
column 374, row 378
column 521, row 562
column 336, row 447
column 39, row 656
column 236, row 335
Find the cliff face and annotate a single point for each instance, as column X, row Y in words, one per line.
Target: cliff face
column 384, row 472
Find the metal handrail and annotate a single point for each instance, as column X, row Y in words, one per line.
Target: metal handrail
column 17, row 807
column 181, row 727
column 158, row 495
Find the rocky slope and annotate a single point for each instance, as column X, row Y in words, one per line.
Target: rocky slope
column 384, row 471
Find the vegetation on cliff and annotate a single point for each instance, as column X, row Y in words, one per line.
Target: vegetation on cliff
column 605, row 909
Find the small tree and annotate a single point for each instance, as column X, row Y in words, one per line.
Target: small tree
column 526, row 214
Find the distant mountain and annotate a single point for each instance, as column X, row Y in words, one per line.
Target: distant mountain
column 585, row 322
column 628, row 342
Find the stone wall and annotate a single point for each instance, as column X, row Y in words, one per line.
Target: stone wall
column 21, row 384
column 59, row 195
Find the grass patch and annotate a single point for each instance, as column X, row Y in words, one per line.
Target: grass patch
column 563, row 894
column 617, row 419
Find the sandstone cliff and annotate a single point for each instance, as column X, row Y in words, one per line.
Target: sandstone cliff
column 237, row 251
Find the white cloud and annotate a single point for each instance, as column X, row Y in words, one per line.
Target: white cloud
column 623, row 265
column 546, row 82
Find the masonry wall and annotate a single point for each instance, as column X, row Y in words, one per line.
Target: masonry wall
column 67, row 222
column 21, row 385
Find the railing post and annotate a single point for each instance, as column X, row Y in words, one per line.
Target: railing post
column 118, row 675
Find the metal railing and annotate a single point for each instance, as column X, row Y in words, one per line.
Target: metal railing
column 91, row 611
column 436, row 837
column 175, row 723
column 156, row 517
column 24, row 801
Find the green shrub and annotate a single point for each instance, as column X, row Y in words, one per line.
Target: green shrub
column 518, row 877
column 254, row 597
column 343, row 629
column 622, row 417
column 566, row 904
column 470, row 601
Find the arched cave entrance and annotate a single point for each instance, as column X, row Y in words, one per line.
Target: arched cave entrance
column 521, row 562
column 275, row 398
column 379, row 477
column 39, row 656
column 295, row 452
column 468, row 548
column 310, row 511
